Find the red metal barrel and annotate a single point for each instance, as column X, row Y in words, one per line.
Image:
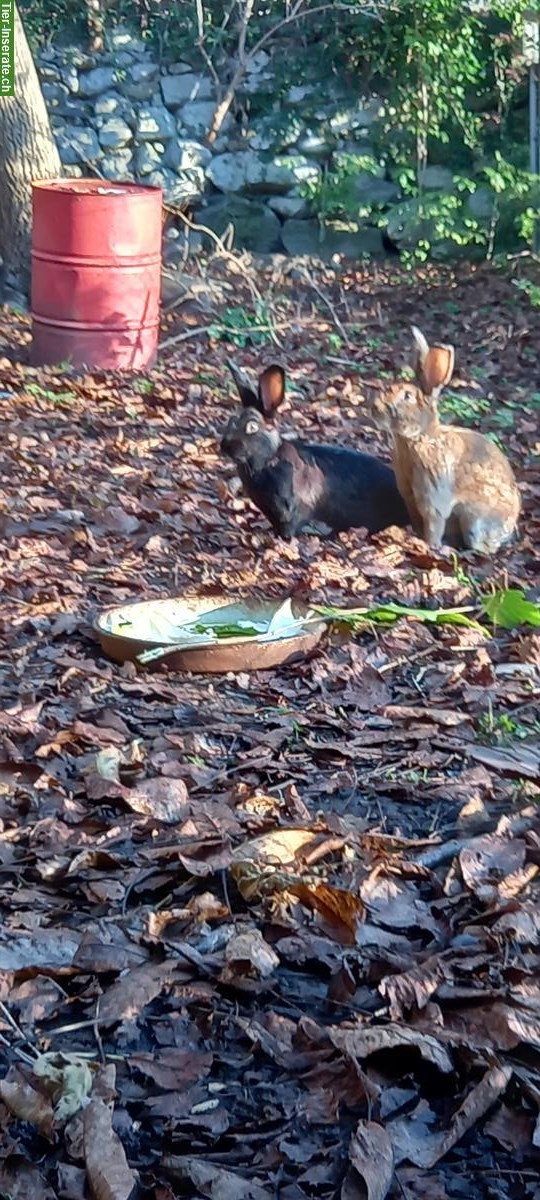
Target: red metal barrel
column 96, row 271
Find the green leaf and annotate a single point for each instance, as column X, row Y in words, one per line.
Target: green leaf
column 387, row 614
column 510, row 608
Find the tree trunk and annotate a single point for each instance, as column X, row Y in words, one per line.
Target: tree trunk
column 27, row 152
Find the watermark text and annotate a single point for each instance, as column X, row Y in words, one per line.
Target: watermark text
column 7, row 64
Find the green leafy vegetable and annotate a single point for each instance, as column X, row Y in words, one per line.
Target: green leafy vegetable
column 235, row 630
column 510, row 608
column 387, row 614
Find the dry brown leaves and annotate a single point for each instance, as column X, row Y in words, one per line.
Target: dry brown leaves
column 278, row 935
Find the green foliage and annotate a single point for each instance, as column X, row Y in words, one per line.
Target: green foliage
column 63, row 399
column 388, row 614
column 244, row 328
column 453, row 83
column 510, row 609
column 501, row 728
column 463, row 409
column 436, row 49
column 532, row 290
column 335, row 193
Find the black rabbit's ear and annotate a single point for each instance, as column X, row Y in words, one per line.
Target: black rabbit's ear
column 245, row 390
column 271, row 389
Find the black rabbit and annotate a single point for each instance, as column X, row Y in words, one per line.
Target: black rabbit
column 300, row 487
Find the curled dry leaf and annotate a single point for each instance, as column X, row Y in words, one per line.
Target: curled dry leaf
column 372, row 1157
column 26, row 1102
column 69, row 1080
column 342, row 911
column 20, row 1180
column 125, row 1000
column 413, row 1139
column 162, row 799
column 281, row 847
column 109, row 1176
column 362, row 1042
column 213, row 1181
column 489, row 861
column 249, row 950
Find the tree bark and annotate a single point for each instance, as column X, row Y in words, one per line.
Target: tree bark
column 27, row 152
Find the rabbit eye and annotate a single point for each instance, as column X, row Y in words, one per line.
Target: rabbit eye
column 252, row 427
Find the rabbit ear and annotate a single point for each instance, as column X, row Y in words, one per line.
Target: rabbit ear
column 421, row 346
column 437, row 369
column 271, row 389
column 434, row 364
column 247, row 393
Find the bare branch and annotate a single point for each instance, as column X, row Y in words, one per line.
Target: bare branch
column 201, row 45
column 297, row 13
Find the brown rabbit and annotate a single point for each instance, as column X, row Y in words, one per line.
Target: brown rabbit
column 458, row 486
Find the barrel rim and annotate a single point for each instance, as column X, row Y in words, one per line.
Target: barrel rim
column 132, row 325
column 122, row 262
column 88, row 186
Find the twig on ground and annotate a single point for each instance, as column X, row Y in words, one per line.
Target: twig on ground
column 239, row 265
column 520, row 823
column 215, row 327
column 339, row 326
column 17, row 1029
column 25, row 1058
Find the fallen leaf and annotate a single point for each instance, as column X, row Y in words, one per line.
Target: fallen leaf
column 127, row 998
column 26, row 1102
column 372, row 1157
column 412, row 1138
column 341, row 911
column 70, row 1081
column 20, row 1180
column 249, row 950
column 214, row 1182
column 161, row 798
column 362, row 1042
column 109, row 1176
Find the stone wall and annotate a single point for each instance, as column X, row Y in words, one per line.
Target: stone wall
column 122, row 115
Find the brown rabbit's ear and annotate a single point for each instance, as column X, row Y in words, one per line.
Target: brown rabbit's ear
column 271, row 389
column 421, row 346
column 247, row 393
column 438, row 368
column 434, row 364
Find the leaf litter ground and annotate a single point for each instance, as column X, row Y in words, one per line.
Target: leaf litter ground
column 277, row 935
